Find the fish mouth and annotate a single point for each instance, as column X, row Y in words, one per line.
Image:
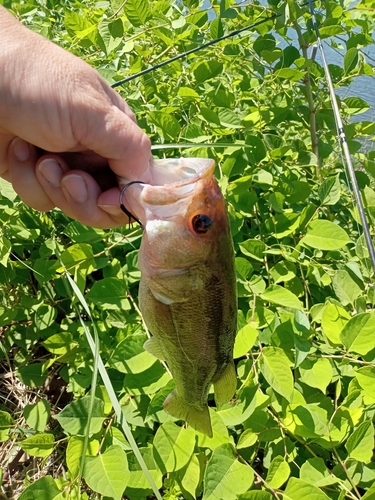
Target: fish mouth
column 172, row 181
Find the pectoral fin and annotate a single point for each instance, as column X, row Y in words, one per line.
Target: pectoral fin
column 152, row 345
column 198, row 418
column 225, row 385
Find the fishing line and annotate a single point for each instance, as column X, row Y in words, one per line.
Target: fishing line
column 344, row 142
column 122, row 206
column 191, row 51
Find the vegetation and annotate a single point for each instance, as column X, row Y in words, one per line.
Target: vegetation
column 301, row 425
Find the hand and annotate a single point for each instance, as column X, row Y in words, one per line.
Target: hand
column 64, row 133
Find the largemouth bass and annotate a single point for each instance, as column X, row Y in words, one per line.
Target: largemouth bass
column 187, row 292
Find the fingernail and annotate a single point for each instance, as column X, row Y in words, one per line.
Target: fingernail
column 76, row 187
column 21, row 149
column 51, row 171
column 111, row 209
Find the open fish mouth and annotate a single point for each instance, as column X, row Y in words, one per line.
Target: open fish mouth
column 172, row 181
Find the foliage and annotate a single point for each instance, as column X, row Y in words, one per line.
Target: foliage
column 301, row 425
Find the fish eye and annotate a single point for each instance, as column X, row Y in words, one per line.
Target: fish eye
column 201, row 223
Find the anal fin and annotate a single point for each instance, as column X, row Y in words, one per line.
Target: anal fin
column 225, row 386
column 152, row 345
column 198, row 418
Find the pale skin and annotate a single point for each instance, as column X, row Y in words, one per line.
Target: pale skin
column 64, row 133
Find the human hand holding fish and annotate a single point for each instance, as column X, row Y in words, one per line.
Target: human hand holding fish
column 187, row 292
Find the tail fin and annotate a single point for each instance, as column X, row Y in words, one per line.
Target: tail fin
column 198, row 418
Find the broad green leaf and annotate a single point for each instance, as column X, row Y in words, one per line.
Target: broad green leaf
column 290, row 74
column 148, row 381
column 275, row 367
column 191, row 476
column 278, row 472
column 247, row 438
column 137, row 481
column 366, row 379
column 6, row 190
column 314, row 471
column 225, row 476
column 111, row 34
column 109, row 293
column 282, row 225
column 44, row 488
column 6, row 422
column 253, row 248
column 235, row 413
column 282, row 297
column 33, row 374
column 5, row 248
column 325, row 235
column 329, row 191
column 129, row 356
column 350, row 59
column 229, row 118
column 207, row 69
column 173, row 446
column 334, row 318
column 355, row 105
column 37, row 414
column 137, row 11
column 245, row 340
column 346, row 288
column 256, row 495
column 316, row 373
column 360, row 443
column 168, row 124
column 309, row 420
column 60, row 343
column 74, row 418
column 220, row 432
column 283, row 271
column 108, row 472
column 80, row 233
column 298, row 490
column 39, row 445
column 74, row 452
column 45, row 316
column 45, row 270
column 358, row 333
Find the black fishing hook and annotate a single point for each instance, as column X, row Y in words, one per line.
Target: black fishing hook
column 123, row 207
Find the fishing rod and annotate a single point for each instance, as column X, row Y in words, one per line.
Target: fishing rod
column 344, row 143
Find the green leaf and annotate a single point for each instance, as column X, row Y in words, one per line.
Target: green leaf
column 245, row 339
column 45, row 316
column 329, row 191
column 253, row 248
column 334, row 318
column 129, row 356
column 112, row 34
column 137, row 11
column 5, row 248
column 291, row 74
column 74, row 418
column 173, row 446
column 282, row 297
column 6, row 190
column 39, row 445
column 33, row 375
column 37, row 415
column 229, row 118
column 220, row 432
column 6, row 422
column 225, row 476
column 314, row 471
column 361, row 442
column 350, row 59
column 325, row 235
column 366, row 379
column 166, row 122
column 256, row 495
column 275, row 367
column 44, row 488
column 74, row 452
column 316, row 373
column 298, row 490
column 309, row 421
column 278, row 472
column 235, row 413
column 108, row 472
column 191, row 476
column 358, row 333
column 137, row 481
column 109, row 293
column 206, row 70
column 346, row 288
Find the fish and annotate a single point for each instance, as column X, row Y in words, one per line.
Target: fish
column 187, row 291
